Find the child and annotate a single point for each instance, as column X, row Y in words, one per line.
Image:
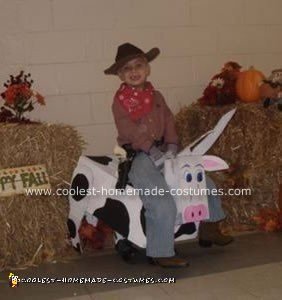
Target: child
column 145, row 122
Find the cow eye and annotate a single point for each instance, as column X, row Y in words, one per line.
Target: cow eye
column 188, row 177
column 200, row 177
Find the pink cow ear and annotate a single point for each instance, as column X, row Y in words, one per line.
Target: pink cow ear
column 213, row 163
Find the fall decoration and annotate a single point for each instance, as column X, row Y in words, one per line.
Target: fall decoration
column 221, row 89
column 95, row 236
column 34, row 228
column 271, row 90
column 248, row 85
column 267, row 91
column 19, row 97
column 252, row 146
column 275, row 78
column 270, row 219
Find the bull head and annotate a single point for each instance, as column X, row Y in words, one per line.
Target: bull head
column 185, row 174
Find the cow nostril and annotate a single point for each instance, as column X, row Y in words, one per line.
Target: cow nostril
column 200, row 213
column 192, row 215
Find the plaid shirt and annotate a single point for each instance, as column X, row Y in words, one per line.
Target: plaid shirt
column 141, row 134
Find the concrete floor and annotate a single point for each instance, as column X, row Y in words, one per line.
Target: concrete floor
column 250, row 268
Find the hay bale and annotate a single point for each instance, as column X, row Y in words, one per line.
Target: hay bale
column 251, row 144
column 33, row 229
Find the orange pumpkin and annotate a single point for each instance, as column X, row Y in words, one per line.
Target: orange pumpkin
column 248, row 85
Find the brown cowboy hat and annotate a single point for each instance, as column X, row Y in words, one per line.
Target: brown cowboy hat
column 126, row 52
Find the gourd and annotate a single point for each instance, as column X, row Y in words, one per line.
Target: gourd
column 248, row 85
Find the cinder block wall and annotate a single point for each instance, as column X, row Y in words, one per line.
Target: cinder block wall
column 66, row 45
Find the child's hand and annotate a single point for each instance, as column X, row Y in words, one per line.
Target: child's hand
column 157, row 156
column 171, row 151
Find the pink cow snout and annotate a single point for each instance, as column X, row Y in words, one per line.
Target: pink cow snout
column 195, row 213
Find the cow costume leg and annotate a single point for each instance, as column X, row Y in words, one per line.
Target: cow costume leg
column 76, row 214
column 79, row 201
column 160, row 210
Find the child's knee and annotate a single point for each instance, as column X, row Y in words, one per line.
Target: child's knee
column 164, row 207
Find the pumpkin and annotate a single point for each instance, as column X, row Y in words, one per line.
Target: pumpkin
column 248, row 85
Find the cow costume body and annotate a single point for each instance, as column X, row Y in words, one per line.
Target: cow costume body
column 93, row 194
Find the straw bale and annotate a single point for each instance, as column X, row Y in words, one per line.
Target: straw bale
column 252, row 146
column 33, row 229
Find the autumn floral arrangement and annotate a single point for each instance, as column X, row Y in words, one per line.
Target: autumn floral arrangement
column 19, row 98
column 95, row 237
column 222, row 87
column 270, row 219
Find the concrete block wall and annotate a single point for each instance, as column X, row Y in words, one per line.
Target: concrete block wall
column 66, row 45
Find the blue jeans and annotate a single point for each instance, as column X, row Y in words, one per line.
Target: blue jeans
column 161, row 209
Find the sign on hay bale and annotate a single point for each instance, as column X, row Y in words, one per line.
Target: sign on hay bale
column 252, row 145
column 33, row 228
column 20, row 180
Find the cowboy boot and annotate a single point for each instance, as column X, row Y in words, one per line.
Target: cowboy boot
column 169, row 262
column 209, row 233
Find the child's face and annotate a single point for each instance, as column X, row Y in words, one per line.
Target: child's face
column 135, row 72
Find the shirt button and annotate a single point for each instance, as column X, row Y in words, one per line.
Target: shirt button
column 150, row 120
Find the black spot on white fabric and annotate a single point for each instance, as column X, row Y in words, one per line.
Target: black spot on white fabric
column 187, row 228
column 72, row 228
column 80, row 185
column 114, row 213
column 143, row 220
column 103, row 160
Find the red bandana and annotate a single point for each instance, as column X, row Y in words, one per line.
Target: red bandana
column 137, row 103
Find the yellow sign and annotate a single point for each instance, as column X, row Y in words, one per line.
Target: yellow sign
column 18, row 180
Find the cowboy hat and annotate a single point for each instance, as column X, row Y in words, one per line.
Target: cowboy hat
column 126, row 52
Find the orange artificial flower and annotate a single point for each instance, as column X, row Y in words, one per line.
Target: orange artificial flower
column 271, row 225
column 40, row 99
column 25, row 91
column 10, row 94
